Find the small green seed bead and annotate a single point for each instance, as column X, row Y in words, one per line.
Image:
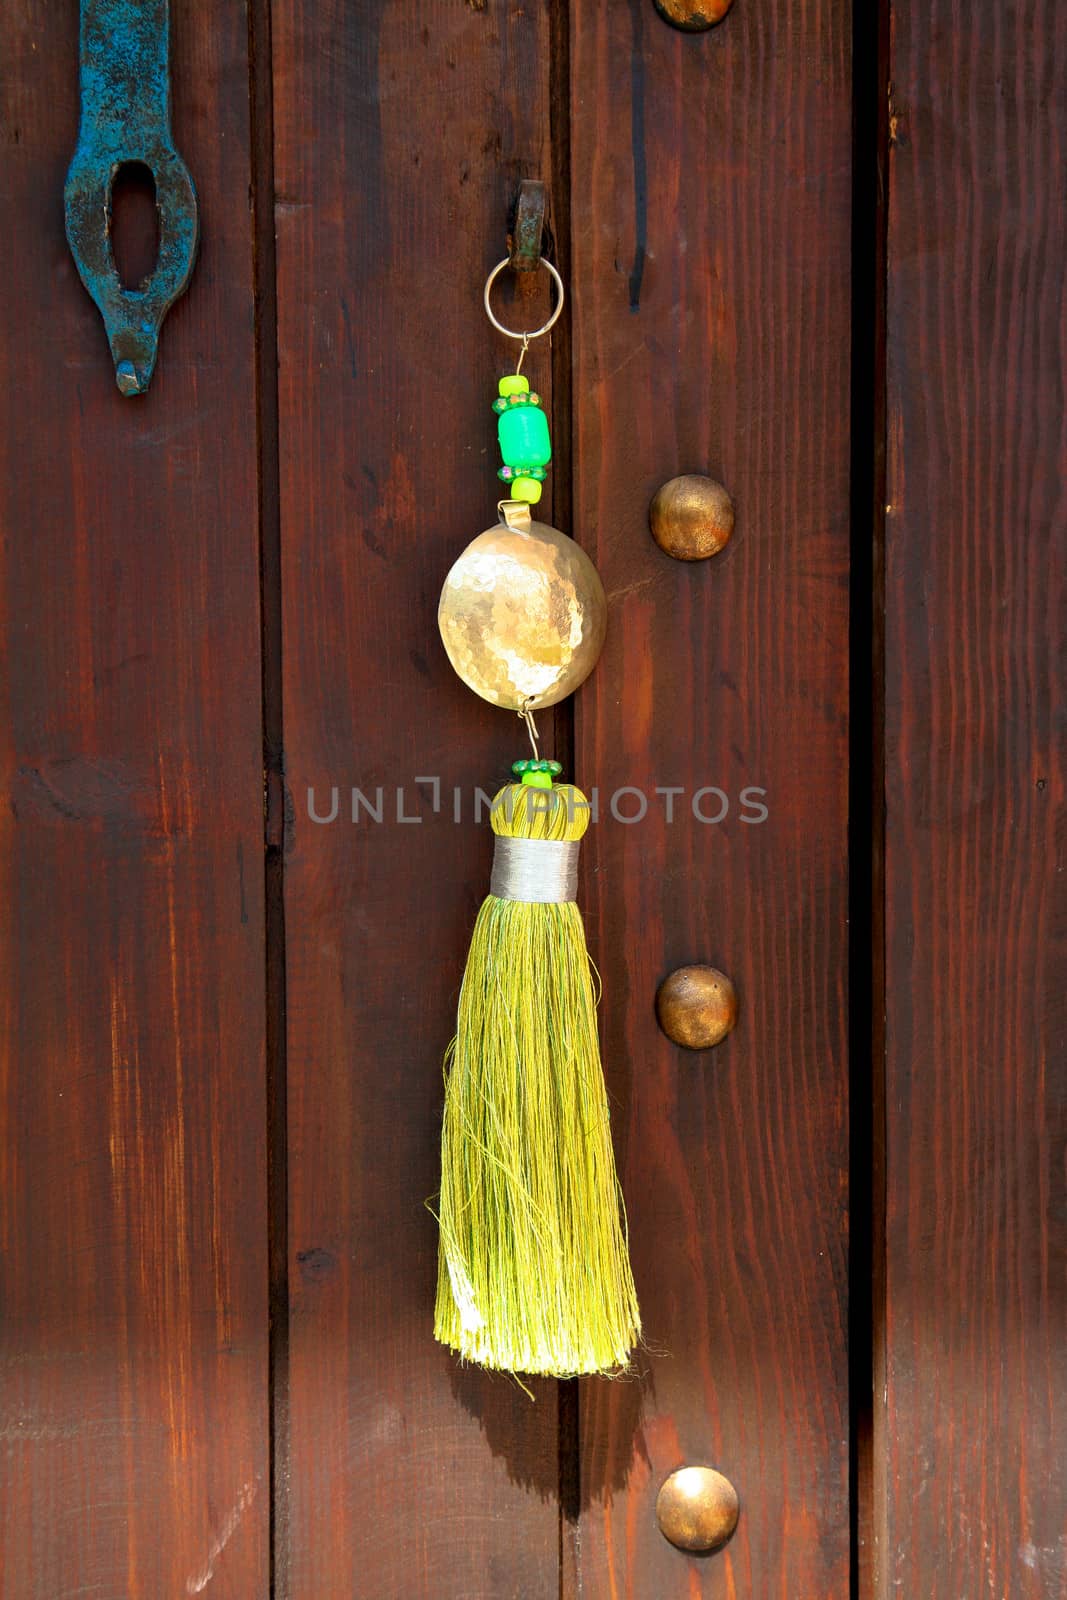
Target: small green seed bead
column 520, row 766
column 554, row 767
column 527, row 489
column 515, row 383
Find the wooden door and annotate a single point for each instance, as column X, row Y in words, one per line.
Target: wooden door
column 815, row 252
column 971, row 1361
column 133, row 1164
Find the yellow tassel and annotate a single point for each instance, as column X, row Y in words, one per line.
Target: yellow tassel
column 534, row 1274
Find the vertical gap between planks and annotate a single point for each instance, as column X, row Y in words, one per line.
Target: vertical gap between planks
column 563, row 513
column 274, row 793
column 866, row 800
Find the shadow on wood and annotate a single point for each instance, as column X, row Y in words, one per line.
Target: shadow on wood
column 511, row 1436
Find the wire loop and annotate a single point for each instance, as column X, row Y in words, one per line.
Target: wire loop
column 510, row 332
column 531, row 728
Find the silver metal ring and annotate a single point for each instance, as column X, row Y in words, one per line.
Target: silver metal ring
column 499, row 326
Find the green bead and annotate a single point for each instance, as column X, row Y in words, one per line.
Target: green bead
column 519, row 767
column 514, row 384
column 524, row 437
column 527, row 489
column 554, row 767
column 537, row 780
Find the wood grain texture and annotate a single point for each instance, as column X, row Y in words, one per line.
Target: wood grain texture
column 711, row 207
column 401, row 135
column 976, row 989
column 133, row 1331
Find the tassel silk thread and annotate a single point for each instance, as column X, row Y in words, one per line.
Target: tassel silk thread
column 534, row 1273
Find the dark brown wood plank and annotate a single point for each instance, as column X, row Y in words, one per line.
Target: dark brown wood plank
column 401, row 133
column 711, row 207
column 133, row 1333
column 976, row 990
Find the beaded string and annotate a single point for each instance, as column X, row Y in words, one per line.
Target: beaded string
column 525, row 443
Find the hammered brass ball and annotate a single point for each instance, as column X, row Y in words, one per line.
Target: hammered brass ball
column 696, row 1007
column 697, row 1508
column 523, row 616
column 691, row 517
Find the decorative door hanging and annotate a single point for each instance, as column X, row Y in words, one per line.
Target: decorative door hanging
column 534, row 1273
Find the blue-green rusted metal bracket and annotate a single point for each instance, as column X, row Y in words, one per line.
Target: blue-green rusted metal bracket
column 125, row 116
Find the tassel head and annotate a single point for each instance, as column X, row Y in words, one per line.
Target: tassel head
column 527, row 810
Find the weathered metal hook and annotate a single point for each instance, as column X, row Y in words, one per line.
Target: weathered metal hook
column 525, row 241
column 125, row 117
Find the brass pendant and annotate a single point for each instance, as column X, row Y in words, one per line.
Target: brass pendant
column 523, row 614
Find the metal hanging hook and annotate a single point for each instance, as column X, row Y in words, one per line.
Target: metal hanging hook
column 526, row 239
